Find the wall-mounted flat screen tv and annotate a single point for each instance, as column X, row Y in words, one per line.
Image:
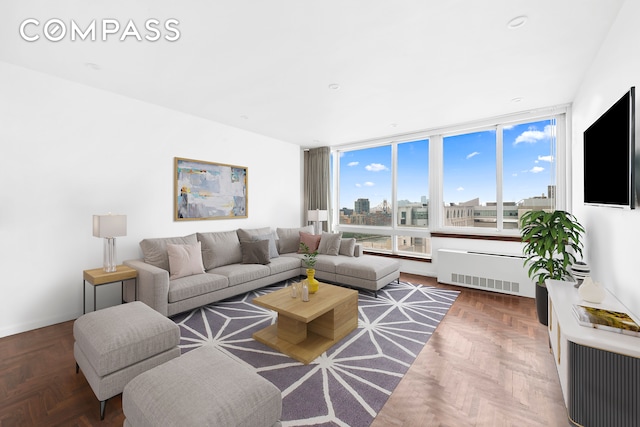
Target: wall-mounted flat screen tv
column 610, row 157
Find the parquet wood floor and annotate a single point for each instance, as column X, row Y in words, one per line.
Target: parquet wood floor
column 487, row 364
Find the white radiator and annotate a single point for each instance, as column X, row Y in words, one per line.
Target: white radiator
column 482, row 270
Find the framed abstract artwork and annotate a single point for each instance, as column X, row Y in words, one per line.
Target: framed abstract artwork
column 207, row 190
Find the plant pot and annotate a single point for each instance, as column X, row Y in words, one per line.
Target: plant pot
column 313, row 283
column 542, row 304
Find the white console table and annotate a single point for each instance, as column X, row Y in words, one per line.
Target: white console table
column 599, row 370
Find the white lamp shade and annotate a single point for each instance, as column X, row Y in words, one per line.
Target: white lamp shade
column 109, row 225
column 317, row 215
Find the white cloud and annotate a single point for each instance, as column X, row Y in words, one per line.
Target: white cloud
column 460, row 189
column 353, row 163
column 475, row 153
column 358, row 185
column 369, row 184
column 532, row 135
column 536, row 169
column 376, row 167
column 546, row 158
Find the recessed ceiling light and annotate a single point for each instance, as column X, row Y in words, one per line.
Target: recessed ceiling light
column 243, row 117
column 394, row 125
column 516, row 100
column 92, row 66
column 334, row 86
column 517, row 22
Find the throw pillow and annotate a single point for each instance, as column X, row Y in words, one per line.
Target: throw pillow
column 220, row 248
column 347, row 247
column 289, row 238
column 245, row 234
column 184, row 260
column 311, row 240
column 271, row 238
column 255, row 252
column 154, row 251
column 329, row 243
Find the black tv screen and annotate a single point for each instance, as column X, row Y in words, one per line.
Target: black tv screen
column 609, row 156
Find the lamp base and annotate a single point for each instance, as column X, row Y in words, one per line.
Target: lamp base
column 109, row 260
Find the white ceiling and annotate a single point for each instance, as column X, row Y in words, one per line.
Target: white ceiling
column 266, row 66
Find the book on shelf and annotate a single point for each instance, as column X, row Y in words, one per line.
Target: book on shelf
column 609, row 320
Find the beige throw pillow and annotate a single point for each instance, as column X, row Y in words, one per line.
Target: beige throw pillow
column 184, row 260
column 347, row 247
column 154, row 250
column 330, row 243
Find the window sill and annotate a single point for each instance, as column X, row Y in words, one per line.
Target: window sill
column 399, row 256
column 477, row 237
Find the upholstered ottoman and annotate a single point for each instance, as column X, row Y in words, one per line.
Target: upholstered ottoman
column 368, row 272
column 203, row 387
column 115, row 344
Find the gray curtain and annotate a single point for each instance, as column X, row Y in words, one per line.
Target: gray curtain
column 317, row 182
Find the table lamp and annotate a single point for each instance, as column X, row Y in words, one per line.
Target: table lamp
column 109, row 226
column 317, row 215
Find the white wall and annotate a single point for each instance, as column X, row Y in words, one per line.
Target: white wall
column 613, row 235
column 69, row 151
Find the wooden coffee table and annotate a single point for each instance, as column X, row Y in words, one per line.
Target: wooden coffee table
column 305, row 330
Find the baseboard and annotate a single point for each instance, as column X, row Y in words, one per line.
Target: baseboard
column 35, row 324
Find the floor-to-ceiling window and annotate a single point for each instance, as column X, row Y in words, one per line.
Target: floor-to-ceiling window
column 472, row 179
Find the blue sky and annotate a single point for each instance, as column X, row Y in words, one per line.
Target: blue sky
column 469, row 165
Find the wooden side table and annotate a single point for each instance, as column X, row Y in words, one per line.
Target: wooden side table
column 98, row 276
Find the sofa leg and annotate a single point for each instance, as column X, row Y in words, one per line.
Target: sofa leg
column 77, row 368
column 103, row 405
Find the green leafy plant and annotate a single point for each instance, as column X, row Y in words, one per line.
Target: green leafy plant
column 553, row 240
column 309, row 258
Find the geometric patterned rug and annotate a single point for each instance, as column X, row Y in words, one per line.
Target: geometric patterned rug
column 349, row 383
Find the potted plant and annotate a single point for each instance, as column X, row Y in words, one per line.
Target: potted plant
column 309, row 260
column 552, row 241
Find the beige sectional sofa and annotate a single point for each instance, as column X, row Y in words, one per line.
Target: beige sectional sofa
column 177, row 274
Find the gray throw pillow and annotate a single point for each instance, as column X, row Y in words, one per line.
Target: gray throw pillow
column 255, row 252
column 220, row 248
column 289, row 238
column 330, row 243
column 248, row 233
column 347, row 247
column 154, row 251
column 271, row 238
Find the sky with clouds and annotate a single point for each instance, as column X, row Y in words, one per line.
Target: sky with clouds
column 469, row 165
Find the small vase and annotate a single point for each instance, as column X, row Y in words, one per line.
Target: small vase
column 591, row 291
column 313, row 283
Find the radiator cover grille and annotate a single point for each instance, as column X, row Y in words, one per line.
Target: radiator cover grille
column 489, row 271
column 604, row 388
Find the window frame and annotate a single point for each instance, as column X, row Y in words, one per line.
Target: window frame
column 436, row 136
